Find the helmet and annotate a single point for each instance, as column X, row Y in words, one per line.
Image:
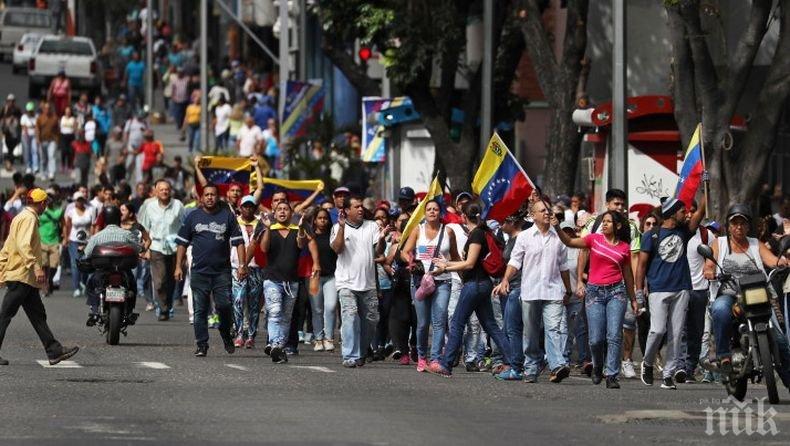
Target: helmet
column 112, row 215
column 739, row 210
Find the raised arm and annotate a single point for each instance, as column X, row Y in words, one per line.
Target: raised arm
column 696, row 217
column 199, row 173
column 309, row 200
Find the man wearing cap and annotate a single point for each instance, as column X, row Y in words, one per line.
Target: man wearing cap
column 339, row 197
column 29, row 147
column 51, row 223
column 47, row 136
column 21, row 271
column 664, row 262
column 247, row 290
column 406, row 199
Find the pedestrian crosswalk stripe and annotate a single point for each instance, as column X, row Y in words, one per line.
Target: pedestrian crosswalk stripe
column 314, row 368
column 60, row 365
column 238, row 367
column 152, row 365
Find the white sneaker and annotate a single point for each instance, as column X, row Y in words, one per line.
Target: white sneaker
column 628, row 370
column 329, row 346
column 318, row 346
column 76, row 293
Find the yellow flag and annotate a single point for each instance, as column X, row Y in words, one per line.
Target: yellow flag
column 434, row 190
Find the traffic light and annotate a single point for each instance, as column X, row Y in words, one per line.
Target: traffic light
column 364, row 53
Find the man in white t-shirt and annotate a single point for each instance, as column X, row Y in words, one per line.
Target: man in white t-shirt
column 222, row 123
column 250, row 140
column 698, row 299
column 355, row 240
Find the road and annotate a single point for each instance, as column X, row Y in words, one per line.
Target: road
column 151, row 390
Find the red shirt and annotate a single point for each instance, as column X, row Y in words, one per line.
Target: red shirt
column 149, row 151
column 81, row 147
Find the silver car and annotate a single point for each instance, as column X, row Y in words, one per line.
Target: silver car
column 23, row 51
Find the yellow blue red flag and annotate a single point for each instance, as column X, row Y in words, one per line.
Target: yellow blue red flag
column 434, row 191
column 501, row 183
column 691, row 172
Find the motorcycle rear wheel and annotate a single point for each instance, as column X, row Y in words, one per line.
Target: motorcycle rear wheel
column 764, row 344
column 114, row 328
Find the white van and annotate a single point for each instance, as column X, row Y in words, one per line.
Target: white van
column 16, row 22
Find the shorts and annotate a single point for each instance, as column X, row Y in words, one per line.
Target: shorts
column 51, row 255
column 629, row 321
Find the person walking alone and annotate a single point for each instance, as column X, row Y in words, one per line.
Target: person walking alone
column 21, row 271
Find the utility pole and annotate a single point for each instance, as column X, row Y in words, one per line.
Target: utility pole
column 285, row 57
column 204, row 76
column 149, row 56
column 488, row 72
column 619, row 139
column 302, row 40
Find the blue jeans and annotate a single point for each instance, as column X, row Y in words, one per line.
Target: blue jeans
column 30, row 152
column 280, row 299
column 193, row 137
column 49, row 159
column 77, row 277
column 246, row 294
column 605, row 307
column 499, row 305
column 514, row 326
column 721, row 311
column 324, row 306
column 695, row 327
column 359, row 312
column 577, row 331
column 475, row 298
column 142, row 275
column 135, row 93
column 474, row 347
column 217, row 286
column 555, row 327
column 431, row 312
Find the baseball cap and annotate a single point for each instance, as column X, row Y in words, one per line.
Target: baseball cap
column 37, row 195
column 406, row 193
column 10, row 97
column 714, row 225
column 341, row 190
column 30, row 106
column 566, row 225
column 248, row 199
column 77, row 195
column 463, row 195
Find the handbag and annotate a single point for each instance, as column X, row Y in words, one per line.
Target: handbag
column 427, row 283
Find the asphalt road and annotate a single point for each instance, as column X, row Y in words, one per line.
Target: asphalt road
column 152, row 390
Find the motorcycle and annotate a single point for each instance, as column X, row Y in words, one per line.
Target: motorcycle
column 755, row 353
column 112, row 264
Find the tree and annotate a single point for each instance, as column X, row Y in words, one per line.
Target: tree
column 563, row 83
column 709, row 91
column 413, row 36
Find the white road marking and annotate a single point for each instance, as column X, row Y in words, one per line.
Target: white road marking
column 314, row 368
column 61, row 365
column 152, row 365
column 238, row 367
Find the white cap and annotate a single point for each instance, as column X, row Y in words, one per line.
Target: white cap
column 10, row 97
column 77, row 195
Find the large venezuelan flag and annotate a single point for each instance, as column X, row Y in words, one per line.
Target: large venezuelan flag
column 691, row 172
column 304, row 103
column 297, row 190
column 501, row 183
column 434, row 191
column 224, row 171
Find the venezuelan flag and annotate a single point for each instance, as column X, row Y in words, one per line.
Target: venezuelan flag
column 500, row 182
column 691, row 172
column 224, row 171
column 434, row 191
column 304, row 102
column 297, row 190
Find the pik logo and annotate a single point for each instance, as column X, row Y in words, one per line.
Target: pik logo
column 742, row 418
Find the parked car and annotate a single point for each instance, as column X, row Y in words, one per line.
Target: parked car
column 23, row 51
column 16, row 22
column 76, row 56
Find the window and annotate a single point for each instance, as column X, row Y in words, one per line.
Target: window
column 28, row 19
column 74, row 47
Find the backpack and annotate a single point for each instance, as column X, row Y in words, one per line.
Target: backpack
column 494, row 263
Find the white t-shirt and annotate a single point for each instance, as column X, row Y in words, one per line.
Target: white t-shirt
column 90, row 131
column 80, row 222
column 67, row 125
column 460, row 241
column 697, row 262
column 222, row 113
column 572, row 260
column 248, row 139
column 355, row 269
column 28, row 124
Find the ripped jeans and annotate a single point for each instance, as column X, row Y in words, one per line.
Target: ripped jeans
column 246, row 294
column 359, row 314
column 280, row 298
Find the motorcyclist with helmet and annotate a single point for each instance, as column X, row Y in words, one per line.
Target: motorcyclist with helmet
column 741, row 255
column 112, row 233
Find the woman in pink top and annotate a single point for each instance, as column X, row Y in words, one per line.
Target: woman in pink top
column 610, row 279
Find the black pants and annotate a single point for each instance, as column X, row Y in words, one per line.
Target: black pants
column 23, row 295
column 300, row 314
column 382, row 329
column 402, row 318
